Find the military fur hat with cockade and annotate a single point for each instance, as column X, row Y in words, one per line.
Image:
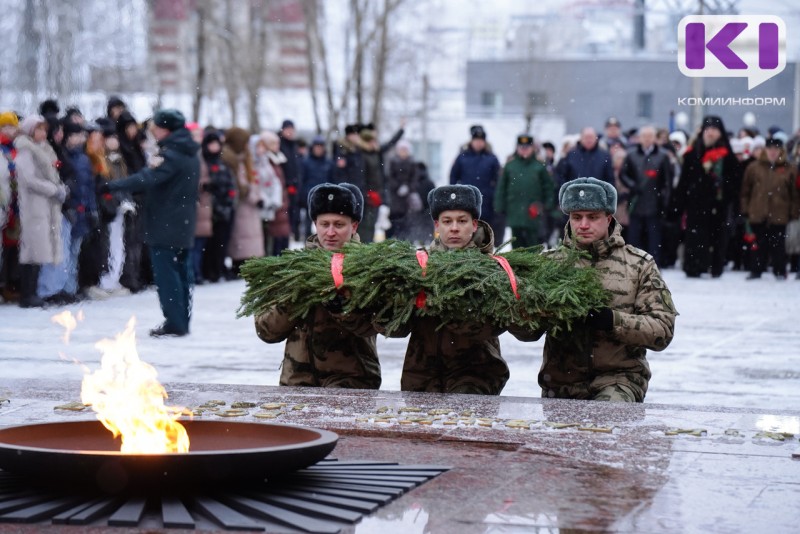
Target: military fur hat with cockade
column 455, row 197
column 341, row 199
column 587, row 194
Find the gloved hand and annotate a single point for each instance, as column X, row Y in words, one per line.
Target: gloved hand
column 374, row 198
column 402, row 190
column 600, row 319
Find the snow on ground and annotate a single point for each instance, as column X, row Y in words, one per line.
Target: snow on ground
column 737, row 344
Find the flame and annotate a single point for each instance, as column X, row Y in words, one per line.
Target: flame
column 68, row 321
column 129, row 400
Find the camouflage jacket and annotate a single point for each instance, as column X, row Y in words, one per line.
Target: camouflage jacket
column 580, row 363
column 324, row 349
column 458, row 358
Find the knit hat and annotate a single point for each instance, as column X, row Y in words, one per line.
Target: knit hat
column 29, row 124
column 169, row 119
column 455, row 197
column 8, row 118
column 587, row 194
column 287, row 123
column 477, row 132
column 331, row 198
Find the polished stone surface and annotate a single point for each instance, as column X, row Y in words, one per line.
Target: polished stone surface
column 522, row 464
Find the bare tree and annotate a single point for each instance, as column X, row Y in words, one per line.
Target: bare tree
column 382, row 58
column 255, row 60
column 203, row 13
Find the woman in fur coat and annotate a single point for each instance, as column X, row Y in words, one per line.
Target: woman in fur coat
column 41, row 193
column 247, row 237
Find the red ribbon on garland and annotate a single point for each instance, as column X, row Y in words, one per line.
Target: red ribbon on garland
column 422, row 259
column 337, row 264
column 507, row 268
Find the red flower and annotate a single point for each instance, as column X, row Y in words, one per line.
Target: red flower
column 57, row 164
column 292, row 190
column 215, row 168
column 107, row 197
column 651, row 173
column 231, row 193
column 533, row 211
column 715, row 154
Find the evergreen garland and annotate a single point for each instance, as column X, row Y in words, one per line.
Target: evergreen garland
column 385, row 279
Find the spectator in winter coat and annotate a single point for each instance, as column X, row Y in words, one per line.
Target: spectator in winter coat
column 404, row 198
column 705, row 194
column 375, row 192
column 292, row 172
column 94, row 255
column 604, row 358
column 130, row 145
column 114, row 207
column 327, row 348
column 275, row 204
column 477, row 165
column 770, row 199
column 204, row 227
column 317, row 169
column 247, row 236
column 348, row 159
column 647, row 172
column 170, row 184
column 525, row 195
column 9, row 225
column 41, row 194
column 587, row 159
column 456, row 357
column 222, row 187
column 60, row 282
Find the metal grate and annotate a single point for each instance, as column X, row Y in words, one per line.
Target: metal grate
column 325, row 498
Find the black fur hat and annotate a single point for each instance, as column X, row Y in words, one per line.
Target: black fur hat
column 455, row 197
column 359, row 211
column 331, row 198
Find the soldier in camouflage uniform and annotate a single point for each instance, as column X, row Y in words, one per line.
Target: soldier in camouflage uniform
column 604, row 358
column 327, row 348
column 464, row 357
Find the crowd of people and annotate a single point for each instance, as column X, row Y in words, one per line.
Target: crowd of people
column 706, row 200
column 70, row 231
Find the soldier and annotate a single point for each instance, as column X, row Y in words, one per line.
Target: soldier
column 458, row 358
column 327, row 348
column 604, row 357
column 525, row 195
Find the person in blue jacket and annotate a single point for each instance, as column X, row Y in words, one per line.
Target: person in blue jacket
column 587, row 159
column 478, row 166
column 170, row 183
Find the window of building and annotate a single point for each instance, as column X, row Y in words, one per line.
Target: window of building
column 537, row 99
column 491, row 99
column 644, row 105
